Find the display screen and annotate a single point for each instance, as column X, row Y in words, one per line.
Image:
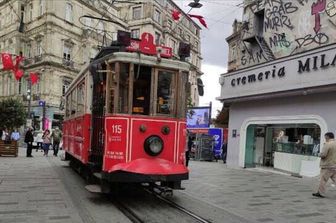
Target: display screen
column 198, row 117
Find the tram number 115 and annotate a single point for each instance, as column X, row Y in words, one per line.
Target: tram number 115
column 116, row 129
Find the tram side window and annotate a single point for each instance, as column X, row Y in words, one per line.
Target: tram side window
column 123, row 88
column 67, row 109
column 73, row 102
column 80, row 98
column 165, row 92
column 141, row 90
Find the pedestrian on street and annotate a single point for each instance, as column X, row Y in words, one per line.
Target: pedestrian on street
column 46, row 142
column 5, row 135
column 56, row 137
column 327, row 164
column 15, row 135
column 187, row 154
column 1, row 132
column 224, row 151
column 29, row 140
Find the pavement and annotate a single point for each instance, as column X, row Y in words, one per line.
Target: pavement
column 43, row 189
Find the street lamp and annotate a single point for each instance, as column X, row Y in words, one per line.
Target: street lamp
column 195, row 4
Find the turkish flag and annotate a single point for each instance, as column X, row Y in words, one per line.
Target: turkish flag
column 200, row 19
column 7, row 61
column 33, row 78
column 18, row 74
column 176, row 14
column 18, row 60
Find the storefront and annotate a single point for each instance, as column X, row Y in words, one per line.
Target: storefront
column 280, row 111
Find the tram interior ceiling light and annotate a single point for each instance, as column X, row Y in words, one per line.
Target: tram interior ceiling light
column 195, row 4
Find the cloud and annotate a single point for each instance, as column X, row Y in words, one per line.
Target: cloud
column 211, row 86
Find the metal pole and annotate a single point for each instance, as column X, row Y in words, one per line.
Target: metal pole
column 29, row 97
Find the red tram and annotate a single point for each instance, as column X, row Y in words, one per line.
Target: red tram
column 125, row 118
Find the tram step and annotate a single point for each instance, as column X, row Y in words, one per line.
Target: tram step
column 93, row 188
column 98, row 175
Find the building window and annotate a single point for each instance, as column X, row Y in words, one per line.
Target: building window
column 65, row 86
column 30, row 12
column 188, row 38
column 157, row 38
column 180, row 31
column 28, row 50
column 41, row 7
column 100, row 27
column 68, row 12
column 39, row 48
column 136, row 13
column 157, row 16
column 196, row 45
column 67, row 49
column 173, row 45
column 135, row 33
column 169, row 24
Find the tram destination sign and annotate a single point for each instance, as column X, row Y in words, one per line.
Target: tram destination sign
column 311, row 69
column 146, row 46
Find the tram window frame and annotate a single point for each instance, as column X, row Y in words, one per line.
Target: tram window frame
column 67, row 105
column 123, row 88
column 73, row 108
column 111, row 91
column 172, row 93
column 80, row 98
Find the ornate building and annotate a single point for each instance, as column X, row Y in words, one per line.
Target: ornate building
column 57, row 38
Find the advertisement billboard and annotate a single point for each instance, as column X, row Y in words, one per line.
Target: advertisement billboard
column 198, row 117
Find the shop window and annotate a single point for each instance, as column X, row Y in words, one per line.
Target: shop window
column 123, row 88
column 302, row 139
column 141, row 90
column 165, row 92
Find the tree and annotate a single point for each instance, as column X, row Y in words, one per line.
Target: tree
column 12, row 114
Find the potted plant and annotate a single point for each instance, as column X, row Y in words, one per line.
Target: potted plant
column 12, row 115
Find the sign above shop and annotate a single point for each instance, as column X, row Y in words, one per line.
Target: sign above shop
column 146, row 46
column 311, row 69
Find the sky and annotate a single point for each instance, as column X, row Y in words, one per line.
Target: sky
column 219, row 16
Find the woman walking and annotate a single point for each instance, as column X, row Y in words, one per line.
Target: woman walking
column 46, row 142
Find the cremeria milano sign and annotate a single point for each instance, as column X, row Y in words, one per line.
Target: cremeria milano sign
column 310, row 69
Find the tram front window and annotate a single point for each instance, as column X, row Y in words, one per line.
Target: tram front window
column 165, row 92
column 141, row 90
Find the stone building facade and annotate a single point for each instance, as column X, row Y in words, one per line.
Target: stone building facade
column 280, row 84
column 57, row 41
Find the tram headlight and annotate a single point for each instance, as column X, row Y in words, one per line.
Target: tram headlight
column 153, row 145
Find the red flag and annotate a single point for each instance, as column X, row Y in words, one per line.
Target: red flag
column 18, row 74
column 18, row 60
column 200, row 19
column 34, row 78
column 176, row 14
column 7, row 61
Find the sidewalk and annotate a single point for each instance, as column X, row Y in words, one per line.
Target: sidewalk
column 31, row 191
column 259, row 196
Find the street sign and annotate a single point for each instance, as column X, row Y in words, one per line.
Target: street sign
column 41, row 103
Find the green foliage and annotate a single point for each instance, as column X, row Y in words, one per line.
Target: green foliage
column 12, row 113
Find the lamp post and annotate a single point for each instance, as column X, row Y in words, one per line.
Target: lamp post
column 29, row 120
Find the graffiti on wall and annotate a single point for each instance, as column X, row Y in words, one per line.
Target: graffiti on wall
column 279, row 40
column 331, row 9
column 250, row 58
column 316, row 9
column 277, row 15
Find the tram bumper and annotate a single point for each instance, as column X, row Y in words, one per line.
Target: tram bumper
column 147, row 170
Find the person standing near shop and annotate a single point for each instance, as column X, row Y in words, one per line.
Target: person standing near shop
column 327, row 164
column 29, row 139
column 187, row 154
column 15, row 135
column 224, row 151
column 56, row 137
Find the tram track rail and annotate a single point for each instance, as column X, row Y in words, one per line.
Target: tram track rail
column 179, row 207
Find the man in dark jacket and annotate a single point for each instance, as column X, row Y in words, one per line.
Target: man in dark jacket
column 29, row 139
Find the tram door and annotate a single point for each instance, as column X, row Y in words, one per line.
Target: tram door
column 98, row 111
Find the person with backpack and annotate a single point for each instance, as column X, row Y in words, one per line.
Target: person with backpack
column 56, row 137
